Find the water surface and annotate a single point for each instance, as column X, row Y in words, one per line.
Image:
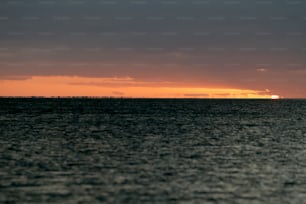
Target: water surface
column 152, row 151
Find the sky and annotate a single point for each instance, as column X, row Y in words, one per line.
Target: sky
column 153, row 48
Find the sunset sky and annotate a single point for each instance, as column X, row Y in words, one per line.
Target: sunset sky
column 153, row 48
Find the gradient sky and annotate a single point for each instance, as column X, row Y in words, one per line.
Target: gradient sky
column 153, row 48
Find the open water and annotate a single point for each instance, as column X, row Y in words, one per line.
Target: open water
column 152, row 151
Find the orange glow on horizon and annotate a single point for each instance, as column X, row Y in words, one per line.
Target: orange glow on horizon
column 117, row 87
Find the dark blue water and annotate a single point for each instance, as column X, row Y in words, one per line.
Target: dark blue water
column 152, row 151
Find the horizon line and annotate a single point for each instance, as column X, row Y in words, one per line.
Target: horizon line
column 124, row 97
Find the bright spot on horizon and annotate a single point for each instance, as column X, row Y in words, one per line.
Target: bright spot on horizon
column 274, row 97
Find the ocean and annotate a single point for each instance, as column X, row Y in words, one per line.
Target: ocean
column 80, row 150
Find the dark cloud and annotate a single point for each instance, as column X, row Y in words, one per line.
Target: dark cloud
column 179, row 40
column 15, row 78
column 118, row 93
column 197, row 95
